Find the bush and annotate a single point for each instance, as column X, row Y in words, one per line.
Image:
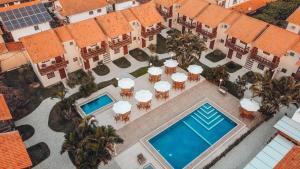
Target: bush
column 79, row 77
column 87, row 89
column 234, row 89
column 215, row 74
column 139, row 72
column 122, row 62
column 101, row 70
column 139, row 55
column 232, row 67
column 215, row 56
column 252, row 77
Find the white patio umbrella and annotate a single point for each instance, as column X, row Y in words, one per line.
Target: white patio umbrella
column 126, row 83
column 143, row 96
column 249, row 105
column 155, row 71
column 171, row 63
column 195, row 69
column 121, row 107
column 162, row 86
column 179, row 77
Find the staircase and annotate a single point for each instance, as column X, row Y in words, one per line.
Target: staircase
column 249, row 63
column 106, row 58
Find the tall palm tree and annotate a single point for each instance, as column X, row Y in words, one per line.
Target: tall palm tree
column 90, row 144
column 186, row 47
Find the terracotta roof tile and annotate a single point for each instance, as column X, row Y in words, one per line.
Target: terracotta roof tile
column 192, row 8
column 230, row 19
column 108, row 24
column 71, row 8
column 276, row 40
column 63, row 33
column 128, row 15
column 296, row 47
column 213, row 15
column 43, row 46
column 291, row 159
column 247, row 29
column 4, row 110
column 13, row 152
column 147, row 14
column 86, row 33
column 7, row 1
column 21, row 5
column 165, row 3
column 250, row 5
column 295, row 17
column 3, row 48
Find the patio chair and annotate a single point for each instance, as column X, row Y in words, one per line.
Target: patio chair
column 149, row 166
column 141, row 159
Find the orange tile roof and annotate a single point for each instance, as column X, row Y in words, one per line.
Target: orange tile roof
column 21, row 5
column 230, row 19
column 87, row 32
column 13, row 152
column 276, row 40
column 114, row 24
column 63, row 33
column 296, row 47
column 4, row 110
column 213, row 15
column 251, row 5
column 247, row 29
column 3, row 48
column 128, row 15
column 147, row 14
column 7, row 1
column 295, row 17
column 69, row 7
column 165, row 3
column 43, row 46
column 192, row 8
column 291, row 160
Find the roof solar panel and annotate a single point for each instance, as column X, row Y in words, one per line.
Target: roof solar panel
column 24, row 17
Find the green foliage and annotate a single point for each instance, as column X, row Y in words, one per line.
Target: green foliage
column 101, row 70
column 232, row 67
column 215, row 74
column 139, row 72
column 79, row 77
column 215, row 56
column 87, row 89
column 237, row 88
column 252, row 77
column 89, row 144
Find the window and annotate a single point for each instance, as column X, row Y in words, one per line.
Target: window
column 50, row 75
column 222, row 40
column 238, row 55
column 133, row 2
column 71, row 43
column 225, row 26
column 150, row 38
column 260, row 66
column 75, row 59
column 283, row 70
column 99, row 10
column 134, row 38
column 95, row 59
column 91, row 12
column 292, row 53
column 36, row 27
column 266, row 53
column 117, row 50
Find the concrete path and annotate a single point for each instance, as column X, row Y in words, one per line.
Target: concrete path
column 243, row 153
column 233, row 76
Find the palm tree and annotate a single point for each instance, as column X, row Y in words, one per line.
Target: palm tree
column 186, row 47
column 276, row 92
column 89, row 144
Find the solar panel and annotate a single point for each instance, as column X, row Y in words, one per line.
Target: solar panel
column 24, row 17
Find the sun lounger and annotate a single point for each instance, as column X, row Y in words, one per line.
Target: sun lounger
column 141, row 159
column 149, row 166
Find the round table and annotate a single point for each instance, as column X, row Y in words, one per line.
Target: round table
column 154, row 74
column 179, row 80
column 127, row 87
column 194, row 72
column 144, row 98
column 170, row 66
column 162, row 89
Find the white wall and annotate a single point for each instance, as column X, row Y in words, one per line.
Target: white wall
column 288, row 62
column 125, row 5
column 293, row 28
column 17, row 34
column 85, row 15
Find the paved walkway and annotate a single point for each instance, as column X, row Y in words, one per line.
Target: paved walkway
column 233, row 76
column 243, row 153
column 210, row 63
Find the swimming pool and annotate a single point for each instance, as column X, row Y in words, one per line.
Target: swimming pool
column 96, row 104
column 185, row 140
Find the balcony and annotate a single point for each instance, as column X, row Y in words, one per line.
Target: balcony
column 164, row 13
column 236, row 47
column 143, row 1
column 262, row 60
column 185, row 23
column 206, row 33
column 54, row 67
column 93, row 53
column 120, row 43
column 153, row 31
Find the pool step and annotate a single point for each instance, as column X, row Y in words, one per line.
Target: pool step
column 206, row 116
column 207, row 111
column 208, row 122
column 190, row 127
column 207, row 127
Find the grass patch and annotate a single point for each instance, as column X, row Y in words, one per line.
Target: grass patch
column 122, row 62
column 215, row 56
column 139, row 55
column 161, row 45
column 101, row 70
column 139, row 72
column 232, row 67
column 38, row 153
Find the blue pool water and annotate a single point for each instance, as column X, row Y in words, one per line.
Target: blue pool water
column 96, row 104
column 185, row 140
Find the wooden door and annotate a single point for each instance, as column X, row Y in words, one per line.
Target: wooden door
column 125, row 50
column 170, row 23
column 86, row 64
column 143, row 43
column 230, row 52
column 62, row 73
column 211, row 44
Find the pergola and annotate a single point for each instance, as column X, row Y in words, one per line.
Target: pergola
column 127, row 87
column 179, row 80
column 194, row 72
column 162, row 89
column 248, row 107
column 154, row 74
column 122, row 110
column 144, row 98
column 170, row 66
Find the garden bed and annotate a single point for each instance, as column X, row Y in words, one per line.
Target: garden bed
column 79, row 77
column 122, row 62
column 161, row 45
column 26, row 131
column 215, row 56
column 232, row 67
column 101, row 70
column 38, row 153
column 139, row 55
column 139, row 72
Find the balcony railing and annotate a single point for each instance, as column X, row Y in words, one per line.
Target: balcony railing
column 206, row 33
column 93, row 53
column 263, row 60
column 189, row 24
column 153, row 31
column 54, row 67
column 236, row 47
column 117, row 44
column 164, row 13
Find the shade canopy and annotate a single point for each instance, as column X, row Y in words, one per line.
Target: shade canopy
column 249, row 105
column 179, row 77
column 155, row 71
column 162, row 86
column 126, row 83
column 122, row 107
column 143, row 96
column 171, row 63
column 195, row 69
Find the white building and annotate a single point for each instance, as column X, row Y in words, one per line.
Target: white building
column 294, row 22
column 117, row 5
column 228, row 3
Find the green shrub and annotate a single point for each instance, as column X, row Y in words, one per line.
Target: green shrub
column 215, row 74
column 87, row 89
column 216, row 56
column 252, row 77
column 79, row 77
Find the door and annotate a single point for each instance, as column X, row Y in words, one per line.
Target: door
column 143, row 43
column 211, row 44
column 170, row 23
column 62, row 73
column 230, row 52
column 125, row 50
column 86, row 64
